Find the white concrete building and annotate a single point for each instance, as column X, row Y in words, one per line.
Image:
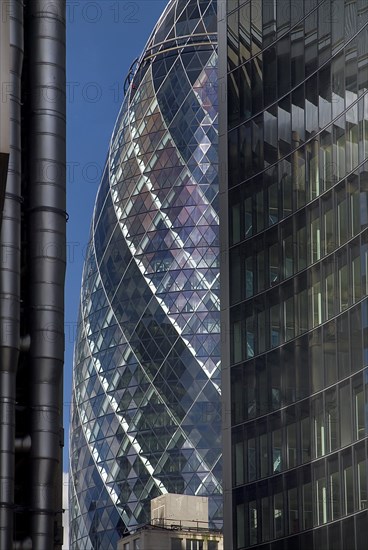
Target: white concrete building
column 178, row 522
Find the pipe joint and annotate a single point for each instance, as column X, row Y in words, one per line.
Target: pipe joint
column 23, row 444
column 25, row 343
column 25, row 544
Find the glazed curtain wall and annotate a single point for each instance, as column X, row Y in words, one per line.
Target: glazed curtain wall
column 298, row 218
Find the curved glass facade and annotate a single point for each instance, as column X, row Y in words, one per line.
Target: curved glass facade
column 297, row 365
column 146, row 414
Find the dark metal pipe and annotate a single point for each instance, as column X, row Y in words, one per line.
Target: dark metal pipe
column 10, row 283
column 23, row 545
column 23, row 444
column 25, row 343
column 47, row 227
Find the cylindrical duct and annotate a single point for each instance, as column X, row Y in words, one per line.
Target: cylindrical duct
column 23, row 545
column 46, row 221
column 10, row 281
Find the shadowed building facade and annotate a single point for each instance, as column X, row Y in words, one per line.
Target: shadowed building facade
column 146, row 411
column 294, row 219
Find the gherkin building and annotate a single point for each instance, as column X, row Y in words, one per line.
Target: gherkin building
column 146, row 404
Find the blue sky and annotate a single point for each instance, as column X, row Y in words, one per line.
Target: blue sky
column 103, row 39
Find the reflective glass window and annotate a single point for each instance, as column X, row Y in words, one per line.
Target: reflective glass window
column 358, row 408
column 248, row 217
column 352, row 139
column 283, row 63
column 237, row 344
column 348, row 533
column 324, row 32
column 301, row 303
column 237, row 398
column 276, row 451
column 315, row 299
column 278, row 514
column 245, row 91
column 348, row 484
column 354, row 196
column 244, row 32
column 356, row 275
column 301, row 243
column 273, row 203
column 307, row 504
column 343, row 346
column 193, row 544
column 361, row 531
column 253, row 522
column 269, row 22
column 329, row 290
column 315, row 237
column 263, row 450
column 356, row 346
column 261, row 326
column 332, row 420
column 312, row 168
column 256, row 26
column 235, row 274
column 329, row 238
column 233, row 98
column 259, row 210
column 338, row 84
column 265, row 515
column 270, row 75
column 291, row 434
column 319, row 426
column 257, row 84
column 334, row 489
column 320, row 493
column 238, row 458
column 310, row 37
column 334, row 536
column 274, row 325
column 345, row 414
column 235, row 230
column 342, row 216
column 250, row 336
column 329, row 352
column 249, row 279
column 251, row 456
column 240, row 525
column 326, row 166
column 297, row 52
column 293, row 510
column 284, row 126
column 288, row 253
column 361, row 477
column 233, row 40
column 274, row 264
column 339, row 156
column 324, row 95
column 315, row 359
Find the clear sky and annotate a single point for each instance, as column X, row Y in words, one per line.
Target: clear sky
column 103, row 39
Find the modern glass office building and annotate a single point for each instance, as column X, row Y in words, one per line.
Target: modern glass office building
column 295, row 272
column 146, row 411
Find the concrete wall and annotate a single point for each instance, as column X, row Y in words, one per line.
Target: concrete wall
column 160, row 539
column 183, row 510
